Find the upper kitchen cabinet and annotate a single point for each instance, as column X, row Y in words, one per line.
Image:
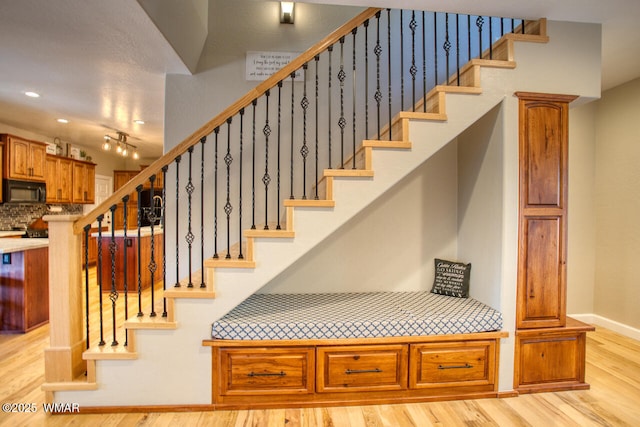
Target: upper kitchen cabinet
column 59, row 179
column 84, row 187
column 1, row 158
column 24, row 160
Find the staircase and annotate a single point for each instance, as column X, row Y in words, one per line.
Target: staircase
column 121, row 376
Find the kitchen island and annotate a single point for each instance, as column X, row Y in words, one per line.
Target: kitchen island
column 24, row 284
column 131, row 242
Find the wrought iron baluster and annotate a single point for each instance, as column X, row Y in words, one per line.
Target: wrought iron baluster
column 413, row 24
column 329, row 119
column 513, row 25
column 189, row 237
column 253, row 165
column 240, row 254
column 389, row 68
column 87, row 229
column 266, row 179
column 228, row 208
column 366, row 79
column 125, row 266
column 164, row 238
column 524, row 24
column 317, row 59
column 378, row 51
column 479, row 24
column 342, row 122
column 177, row 160
column 457, row 49
column 152, row 266
column 113, row 295
column 216, row 132
column 278, row 156
column 203, row 141
column 353, row 96
column 435, row 48
column 401, row 13
column 100, row 218
column 304, row 150
column 447, row 47
column 139, row 260
column 293, row 100
column 469, row 37
column 424, row 64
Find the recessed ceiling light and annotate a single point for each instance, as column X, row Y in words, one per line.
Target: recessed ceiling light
column 32, row 94
column 63, row 121
column 138, row 122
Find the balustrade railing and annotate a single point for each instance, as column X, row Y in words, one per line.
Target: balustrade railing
column 270, row 145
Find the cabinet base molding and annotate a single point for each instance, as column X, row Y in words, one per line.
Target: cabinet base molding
column 336, row 372
column 551, row 359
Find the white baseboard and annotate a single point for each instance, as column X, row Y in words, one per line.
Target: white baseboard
column 621, row 328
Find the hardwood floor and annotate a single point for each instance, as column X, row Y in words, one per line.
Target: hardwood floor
column 613, row 370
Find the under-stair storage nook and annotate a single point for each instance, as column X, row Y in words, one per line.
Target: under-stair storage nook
column 283, row 169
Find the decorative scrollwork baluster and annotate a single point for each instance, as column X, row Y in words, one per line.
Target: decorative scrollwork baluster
column 228, row 208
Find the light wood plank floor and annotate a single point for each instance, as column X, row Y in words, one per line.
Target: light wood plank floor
column 613, row 370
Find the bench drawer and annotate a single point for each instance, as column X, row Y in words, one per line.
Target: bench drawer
column 362, row 368
column 461, row 364
column 266, row 371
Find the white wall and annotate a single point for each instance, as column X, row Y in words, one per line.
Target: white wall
column 617, row 204
column 391, row 245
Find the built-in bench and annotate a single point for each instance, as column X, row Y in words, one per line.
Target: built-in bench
column 284, row 350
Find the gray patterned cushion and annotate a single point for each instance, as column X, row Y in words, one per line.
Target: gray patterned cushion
column 354, row 315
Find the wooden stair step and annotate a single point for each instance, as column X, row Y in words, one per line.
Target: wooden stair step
column 109, row 352
column 190, row 292
column 272, row 232
column 419, row 115
column 310, row 203
column 374, row 143
column 148, row 322
column 348, row 172
column 223, row 262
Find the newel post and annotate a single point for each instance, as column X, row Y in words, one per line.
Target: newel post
column 63, row 359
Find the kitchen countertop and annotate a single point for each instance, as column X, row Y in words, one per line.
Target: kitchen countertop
column 133, row 232
column 12, row 233
column 20, row 245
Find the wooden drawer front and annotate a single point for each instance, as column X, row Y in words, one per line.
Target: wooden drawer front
column 266, row 371
column 362, row 368
column 452, row 364
column 551, row 359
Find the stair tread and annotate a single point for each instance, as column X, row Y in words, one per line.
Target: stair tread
column 310, row 203
column 109, row 352
column 229, row 263
column 348, row 172
column 271, row 232
column 190, row 292
column 148, row 322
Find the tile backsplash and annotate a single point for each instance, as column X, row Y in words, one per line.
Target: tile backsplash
column 23, row 214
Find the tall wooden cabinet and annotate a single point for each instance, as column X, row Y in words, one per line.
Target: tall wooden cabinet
column 59, row 179
column 550, row 348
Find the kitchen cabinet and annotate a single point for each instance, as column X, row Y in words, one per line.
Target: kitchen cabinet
column 2, row 165
column 84, row 187
column 59, row 179
column 550, row 347
column 120, row 178
column 24, row 159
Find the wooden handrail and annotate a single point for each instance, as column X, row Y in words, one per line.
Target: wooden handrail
column 221, row 118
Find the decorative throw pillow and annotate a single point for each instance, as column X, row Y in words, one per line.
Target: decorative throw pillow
column 451, row 278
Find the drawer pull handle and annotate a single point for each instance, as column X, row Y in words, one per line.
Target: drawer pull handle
column 362, row 371
column 465, row 366
column 267, row 374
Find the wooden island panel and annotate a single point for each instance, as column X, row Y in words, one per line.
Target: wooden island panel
column 24, row 290
column 130, row 243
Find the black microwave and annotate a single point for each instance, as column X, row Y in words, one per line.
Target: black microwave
column 24, row 191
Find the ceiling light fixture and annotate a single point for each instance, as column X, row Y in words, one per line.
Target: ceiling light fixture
column 138, row 122
column 122, row 146
column 32, row 94
column 65, row 121
column 287, row 9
